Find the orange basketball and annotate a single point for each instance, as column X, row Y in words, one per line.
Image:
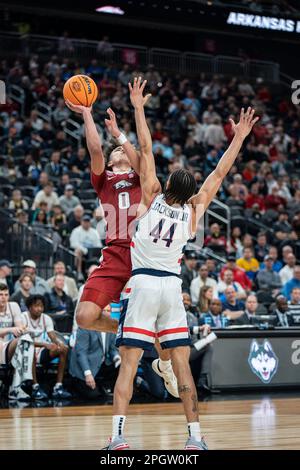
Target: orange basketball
column 80, row 89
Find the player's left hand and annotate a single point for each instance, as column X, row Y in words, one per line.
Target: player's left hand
column 136, row 92
column 245, row 124
column 111, row 124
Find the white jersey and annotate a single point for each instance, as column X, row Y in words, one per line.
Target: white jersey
column 161, row 235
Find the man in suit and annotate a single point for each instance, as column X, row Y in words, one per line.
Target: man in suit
column 94, row 355
column 250, row 311
column 282, row 313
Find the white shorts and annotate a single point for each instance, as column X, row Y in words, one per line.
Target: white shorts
column 3, row 348
column 153, row 307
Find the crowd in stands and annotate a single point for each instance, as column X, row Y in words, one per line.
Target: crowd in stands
column 45, row 184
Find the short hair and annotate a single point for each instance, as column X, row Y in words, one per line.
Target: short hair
column 33, row 299
column 3, row 286
column 182, row 186
column 22, row 277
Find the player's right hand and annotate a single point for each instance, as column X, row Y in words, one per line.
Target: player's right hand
column 90, row 381
column 77, row 108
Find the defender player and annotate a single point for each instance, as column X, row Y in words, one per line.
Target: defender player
column 120, row 193
column 166, row 220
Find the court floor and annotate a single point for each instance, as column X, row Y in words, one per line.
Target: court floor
column 260, row 423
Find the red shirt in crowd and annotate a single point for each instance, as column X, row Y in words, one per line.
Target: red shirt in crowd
column 239, row 275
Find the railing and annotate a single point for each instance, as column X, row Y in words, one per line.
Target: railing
column 138, row 56
column 19, row 242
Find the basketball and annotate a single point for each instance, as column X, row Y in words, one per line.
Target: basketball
column 80, row 90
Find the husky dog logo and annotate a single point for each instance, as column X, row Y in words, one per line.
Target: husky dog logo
column 122, row 184
column 263, row 361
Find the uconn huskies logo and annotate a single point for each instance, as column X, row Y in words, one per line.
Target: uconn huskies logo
column 263, row 361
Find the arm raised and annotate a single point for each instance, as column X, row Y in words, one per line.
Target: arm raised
column 130, row 150
column 149, row 182
column 92, row 137
column 211, row 185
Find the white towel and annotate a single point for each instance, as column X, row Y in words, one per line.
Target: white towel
column 22, row 361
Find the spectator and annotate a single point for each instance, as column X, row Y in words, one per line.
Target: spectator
column 82, row 239
column 5, row 274
column 250, row 311
column 54, row 168
column 287, row 272
column 202, row 280
column 70, row 287
column 94, row 355
column 105, row 48
column 65, row 44
column 228, row 280
column 79, row 163
column 188, row 270
column 20, row 296
column 212, row 270
column 214, row 133
column 17, row 202
column 283, row 229
column 205, row 297
column 255, row 198
column 75, row 218
column 294, row 306
column 215, row 238
column 290, row 285
column 282, row 312
column 277, row 265
column 48, row 345
column 46, row 195
column 232, row 307
column 214, row 317
column 267, row 279
column 57, row 301
column 11, row 329
column 248, row 263
column 239, row 274
column 262, row 247
column 40, row 286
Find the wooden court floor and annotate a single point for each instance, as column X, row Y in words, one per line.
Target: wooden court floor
column 238, row 424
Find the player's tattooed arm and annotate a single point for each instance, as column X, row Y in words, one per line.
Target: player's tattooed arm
column 92, row 137
column 130, row 150
column 211, row 185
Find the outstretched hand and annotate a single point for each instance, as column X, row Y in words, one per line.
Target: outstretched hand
column 245, row 124
column 136, row 92
column 77, row 108
column 111, row 123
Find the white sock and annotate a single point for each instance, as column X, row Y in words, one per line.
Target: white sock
column 35, row 386
column 118, row 426
column 163, row 365
column 194, row 430
column 57, row 385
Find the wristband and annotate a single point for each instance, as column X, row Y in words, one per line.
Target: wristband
column 87, row 372
column 121, row 139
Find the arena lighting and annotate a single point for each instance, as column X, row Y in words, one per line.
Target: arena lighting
column 110, row 9
column 263, row 22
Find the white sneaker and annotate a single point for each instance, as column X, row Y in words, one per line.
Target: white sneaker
column 168, row 376
column 16, row 393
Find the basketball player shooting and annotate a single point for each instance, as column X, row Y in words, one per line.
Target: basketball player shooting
column 166, row 221
column 119, row 190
